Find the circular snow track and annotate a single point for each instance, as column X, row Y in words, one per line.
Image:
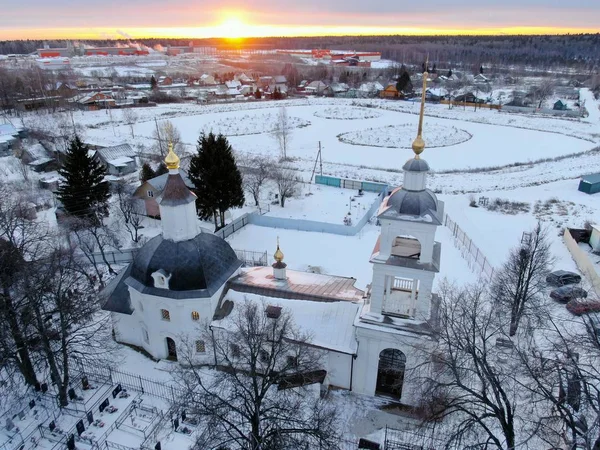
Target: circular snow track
column 251, row 123
column 344, row 113
column 402, row 136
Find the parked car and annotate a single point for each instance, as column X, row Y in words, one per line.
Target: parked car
column 562, row 278
column 566, row 293
column 578, row 307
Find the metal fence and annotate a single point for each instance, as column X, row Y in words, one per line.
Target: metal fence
column 132, row 381
column 469, row 251
column 234, row 226
column 345, row 183
column 251, row 258
column 410, row 440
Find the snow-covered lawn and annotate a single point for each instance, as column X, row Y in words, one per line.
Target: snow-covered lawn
column 346, row 256
column 402, row 136
column 249, row 123
column 344, row 113
column 325, row 204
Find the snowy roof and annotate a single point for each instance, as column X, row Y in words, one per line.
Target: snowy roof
column 232, row 84
column 297, row 286
column 280, row 79
column 329, row 325
column 37, row 151
column 121, row 161
column 160, row 181
column 108, row 154
column 6, row 129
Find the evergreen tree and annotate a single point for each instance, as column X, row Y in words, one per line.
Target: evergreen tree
column 434, row 69
column 84, row 192
column 146, row 173
column 216, row 178
column 449, row 73
column 153, row 83
column 404, row 84
column 161, row 170
column 481, row 70
column 258, row 94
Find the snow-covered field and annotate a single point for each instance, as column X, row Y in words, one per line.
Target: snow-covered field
column 249, row 123
column 497, row 139
column 338, row 112
column 516, row 143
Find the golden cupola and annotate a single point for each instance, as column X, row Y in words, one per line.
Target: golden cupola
column 172, row 160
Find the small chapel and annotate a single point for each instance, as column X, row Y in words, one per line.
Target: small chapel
column 185, row 278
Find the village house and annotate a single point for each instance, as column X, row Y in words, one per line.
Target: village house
column 118, row 160
column 370, row 89
column 559, row 105
column 38, row 158
column 165, row 81
column 207, row 80
column 336, row 90
column 9, row 136
column 315, row 88
column 94, row 100
column 150, row 191
column 391, row 92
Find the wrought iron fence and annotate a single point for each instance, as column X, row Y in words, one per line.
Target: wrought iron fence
column 251, row 258
column 234, row 226
column 469, row 251
column 132, row 381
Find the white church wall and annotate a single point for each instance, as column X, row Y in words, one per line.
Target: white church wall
column 371, row 343
column 424, row 232
column 181, row 326
column 127, row 329
column 339, row 367
column 179, row 223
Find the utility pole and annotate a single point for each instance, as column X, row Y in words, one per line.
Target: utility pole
column 159, row 138
column 317, row 159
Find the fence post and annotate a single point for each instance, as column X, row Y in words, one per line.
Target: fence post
column 110, row 375
column 141, row 384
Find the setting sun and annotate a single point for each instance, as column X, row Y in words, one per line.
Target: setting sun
column 233, row 28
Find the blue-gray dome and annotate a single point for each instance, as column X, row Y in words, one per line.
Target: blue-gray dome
column 203, row 263
column 416, row 165
column 413, row 203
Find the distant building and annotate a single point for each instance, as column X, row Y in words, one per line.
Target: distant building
column 118, row 160
column 94, row 100
column 559, row 105
column 590, row 184
column 150, row 190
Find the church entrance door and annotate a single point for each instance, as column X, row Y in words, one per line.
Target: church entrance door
column 390, row 373
column 171, row 349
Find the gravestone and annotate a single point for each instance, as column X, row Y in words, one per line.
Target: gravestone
column 80, row 427
column 90, row 417
column 72, row 395
column 71, row 442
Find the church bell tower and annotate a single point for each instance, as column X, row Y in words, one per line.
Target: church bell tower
column 407, row 257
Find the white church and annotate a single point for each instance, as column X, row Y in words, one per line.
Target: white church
column 184, row 278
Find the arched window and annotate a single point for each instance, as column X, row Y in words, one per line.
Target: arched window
column 165, row 315
column 390, row 373
column 195, row 315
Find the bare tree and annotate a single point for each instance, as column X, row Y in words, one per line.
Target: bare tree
column 521, row 282
column 259, row 399
column 283, row 131
column 64, row 315
column 164, row 134
column 542, row 91
column 130, row 210
column 95, row 240
column 256, row 172
column 472, row 383
column 562, row 375
column 130, row 117
column 287, row 182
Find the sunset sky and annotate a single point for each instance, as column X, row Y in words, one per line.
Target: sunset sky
column 39, row 19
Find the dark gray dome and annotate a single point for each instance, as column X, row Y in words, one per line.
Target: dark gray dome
column 416, row 165
column 414, row 203
column 202, row 263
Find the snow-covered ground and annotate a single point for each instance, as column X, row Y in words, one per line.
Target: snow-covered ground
column 498, row 139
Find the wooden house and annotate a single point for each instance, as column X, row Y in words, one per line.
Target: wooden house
column 150, row 190
column 391, row 92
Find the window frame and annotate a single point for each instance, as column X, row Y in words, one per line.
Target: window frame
column 165, row 315
column 195, row 316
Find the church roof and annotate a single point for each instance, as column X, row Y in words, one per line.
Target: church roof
column 116, row 294
column 329, row 325
column 198, row 266
column 176, row 192
column 416, row 165
column 419, row 206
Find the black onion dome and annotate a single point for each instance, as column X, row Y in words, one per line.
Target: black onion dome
column 203, row 263
column 413, row 203
column 416, row 165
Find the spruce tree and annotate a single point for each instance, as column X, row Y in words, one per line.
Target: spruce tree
column 153, row 83
column 84, row 193
column 161, row 170
column 146, row 173
column 216, row 178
